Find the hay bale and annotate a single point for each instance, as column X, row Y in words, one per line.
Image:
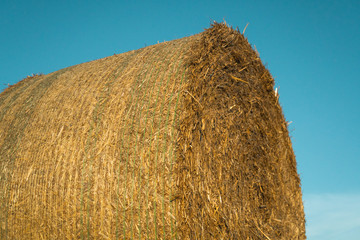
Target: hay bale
column 180, row 140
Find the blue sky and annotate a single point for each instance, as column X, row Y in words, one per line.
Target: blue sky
column 310, row 47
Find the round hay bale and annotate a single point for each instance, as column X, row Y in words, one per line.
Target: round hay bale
column 180, row 140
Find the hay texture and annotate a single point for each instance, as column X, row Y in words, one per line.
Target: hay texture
column 181, row 140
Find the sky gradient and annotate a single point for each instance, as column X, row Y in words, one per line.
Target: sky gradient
column 310, row 47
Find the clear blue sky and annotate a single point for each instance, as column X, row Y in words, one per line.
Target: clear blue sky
column 310, row 47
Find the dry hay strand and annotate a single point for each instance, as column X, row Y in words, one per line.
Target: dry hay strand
column 180, row 140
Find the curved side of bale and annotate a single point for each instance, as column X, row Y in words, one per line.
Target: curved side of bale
column 236, row 170
column 87, row 152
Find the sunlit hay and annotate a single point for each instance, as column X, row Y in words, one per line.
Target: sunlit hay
column 180, row 140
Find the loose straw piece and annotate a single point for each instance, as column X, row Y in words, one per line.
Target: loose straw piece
column 245, row 28
column 239, row 79
column 194, row 98
column 263, row 233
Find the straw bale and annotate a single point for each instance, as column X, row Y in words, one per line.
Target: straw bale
column 180, row 140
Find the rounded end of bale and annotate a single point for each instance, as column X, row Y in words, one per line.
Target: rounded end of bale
column 236, row 171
